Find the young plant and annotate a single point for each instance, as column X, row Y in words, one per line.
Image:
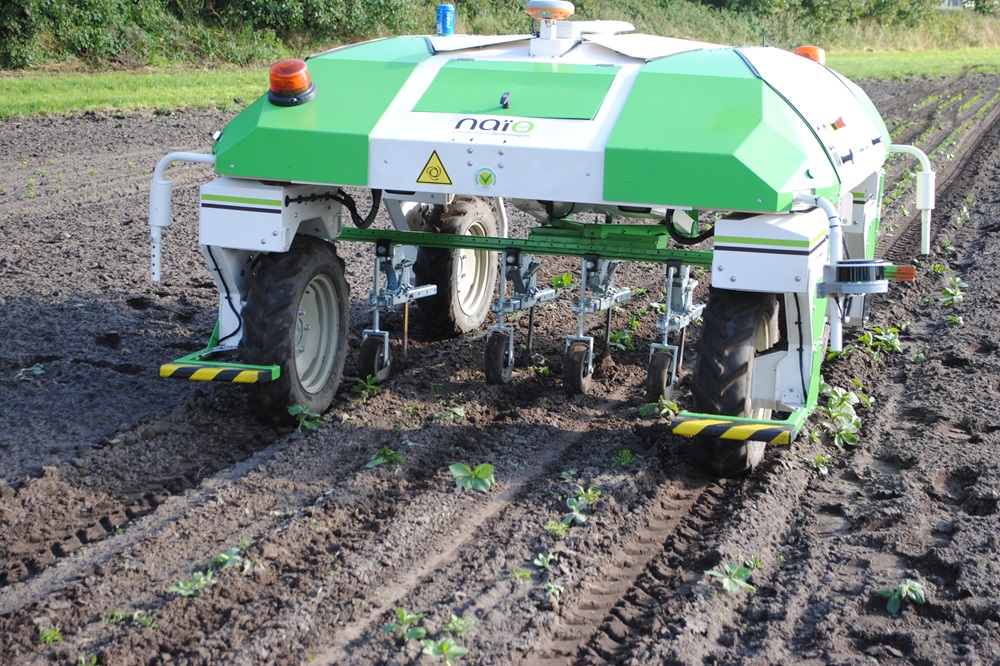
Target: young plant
column 406, row 625
column 908, row 589
column 50, row 635
column 576, row 516
column 733, row 578
column 554, row 590
column 621, row 341
column 544, row 560
column 821, row 464
column 753, row 563
column 953, row 320
column 519, row 575
column 661, row 409
column 624, row 458
column 384, row 456
column 305, row 417
column 200, row 580
column 556, row 529
column 562, row 281
column 230, row 558
column 954, row 294
column 444, row 649
column 481, row 478
column 457, row 625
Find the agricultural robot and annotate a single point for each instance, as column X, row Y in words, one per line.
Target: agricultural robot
column 763, row 167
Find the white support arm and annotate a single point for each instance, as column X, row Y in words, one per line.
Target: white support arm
column 835, row 238
column 925, row 192
column 159, row 202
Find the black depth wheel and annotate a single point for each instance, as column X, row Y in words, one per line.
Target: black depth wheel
column 658, row 376
column 465, row 278
column 371, row 361
column 296, row 317
column 576, row 378
column 737, row 327
column 499, row 365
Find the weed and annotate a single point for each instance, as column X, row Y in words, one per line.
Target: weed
column 753, row 563
column 144, row 620
column 554, row 590
column 451, row 414
column 50, row 635
column 733, row 578
column 953, row 320
column 27, row 374
column 661, row 409
column 556, row 529
column 624, row 458
column 200, row 580
column 820, row 464
column 519, row 575
column 481, row 478
column 568, row 474
column 230, row 558
column 435, row 386
column 413, row 409
column 368, row 387
column 920, row 357
column 908, row 589
column 939, row 269
column 82, row 660
column 117, row 616
column 954, row 294
column 562, row 281
column 384, row 456
column 575, row 515
column 544, row 560
column 591, row 495
column 406, row 625
column 443, row 649
column 305, row 417
column 457, row 625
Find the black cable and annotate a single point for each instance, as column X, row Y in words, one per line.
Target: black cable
column 347, row 201
column 802, row 366
column 229, row 297
column 685, row 240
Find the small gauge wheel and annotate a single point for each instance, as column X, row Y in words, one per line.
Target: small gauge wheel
column 499, row 362
column 372, row 361
column 576, row 370
column 658, row 376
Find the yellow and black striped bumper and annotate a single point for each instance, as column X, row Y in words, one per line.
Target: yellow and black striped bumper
column 217, row 373
column 773, row 432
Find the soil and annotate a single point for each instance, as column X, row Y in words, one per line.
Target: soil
column 118, row 486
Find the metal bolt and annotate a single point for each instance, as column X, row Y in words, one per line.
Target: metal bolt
column 798, row 278
column 468, row 163
column 263, row 241
column 469, row 150
column 500, row 166
column 732, row 278
column 275, row 232
column 721, row 268
column 501, row 152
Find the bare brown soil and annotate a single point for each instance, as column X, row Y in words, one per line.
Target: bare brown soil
column 117, row 485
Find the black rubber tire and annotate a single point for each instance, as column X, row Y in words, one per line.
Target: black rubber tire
column 498, row 365
column 298, row 300
column 658, row 376
column 371, row 361
column 465, row 279
column 576, row 379
column 737, row 326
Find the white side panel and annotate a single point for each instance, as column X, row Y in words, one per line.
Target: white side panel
column 842, row 123
column 647, row 47
column 527, row 158
column 462, row 42
column 770, row 253
column 241, row 215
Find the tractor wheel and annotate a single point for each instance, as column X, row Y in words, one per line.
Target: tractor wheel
column 737, row 327
column 296, row 317
column 465, row 279
column 499, row 366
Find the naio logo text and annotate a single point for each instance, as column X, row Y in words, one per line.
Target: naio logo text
column 501, row 125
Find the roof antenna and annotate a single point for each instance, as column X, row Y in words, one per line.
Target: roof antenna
column 763, row 38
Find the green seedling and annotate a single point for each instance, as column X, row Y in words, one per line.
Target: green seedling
column 519, row 575
column 457, row 625
column 27, row 374
column 481, row 478
column 144, row 620
column 920, row 357
column 953, row 320
column 563, row 281
column 733, row 578
column 117, row 616
column 384, row 456
column 368, row 387
column 406, row 625
column 954, row 294
column 877, row 340
column 82, row 660
column 568, row 474
column 948, row 247
column 753, row 563
column 624, row 458
column 866, row 400
column 444, row 649
column 591, row 495
column 541, row 370
column 305, row 417
column 633, row 322
column 661, row 409
column 621, row 341
column 545, row 560
column 820, row 464
column 575, row 515
column 556, row 529
column 200, row 580
column 554, row 590
column 50, row 635
column 230, row 558
column 939, row 269
column 451, row 414
column 908, row 589
column 436, row 386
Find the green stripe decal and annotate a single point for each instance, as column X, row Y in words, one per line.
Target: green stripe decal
column 240, row 200
column 739, row 240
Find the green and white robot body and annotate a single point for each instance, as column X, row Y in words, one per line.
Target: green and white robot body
column 582, row 116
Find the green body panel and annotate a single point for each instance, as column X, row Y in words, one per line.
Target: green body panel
column 326, row 139
column 537, row 89
column 739, row 146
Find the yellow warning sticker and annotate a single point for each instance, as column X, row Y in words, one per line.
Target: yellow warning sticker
column 434, row 172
